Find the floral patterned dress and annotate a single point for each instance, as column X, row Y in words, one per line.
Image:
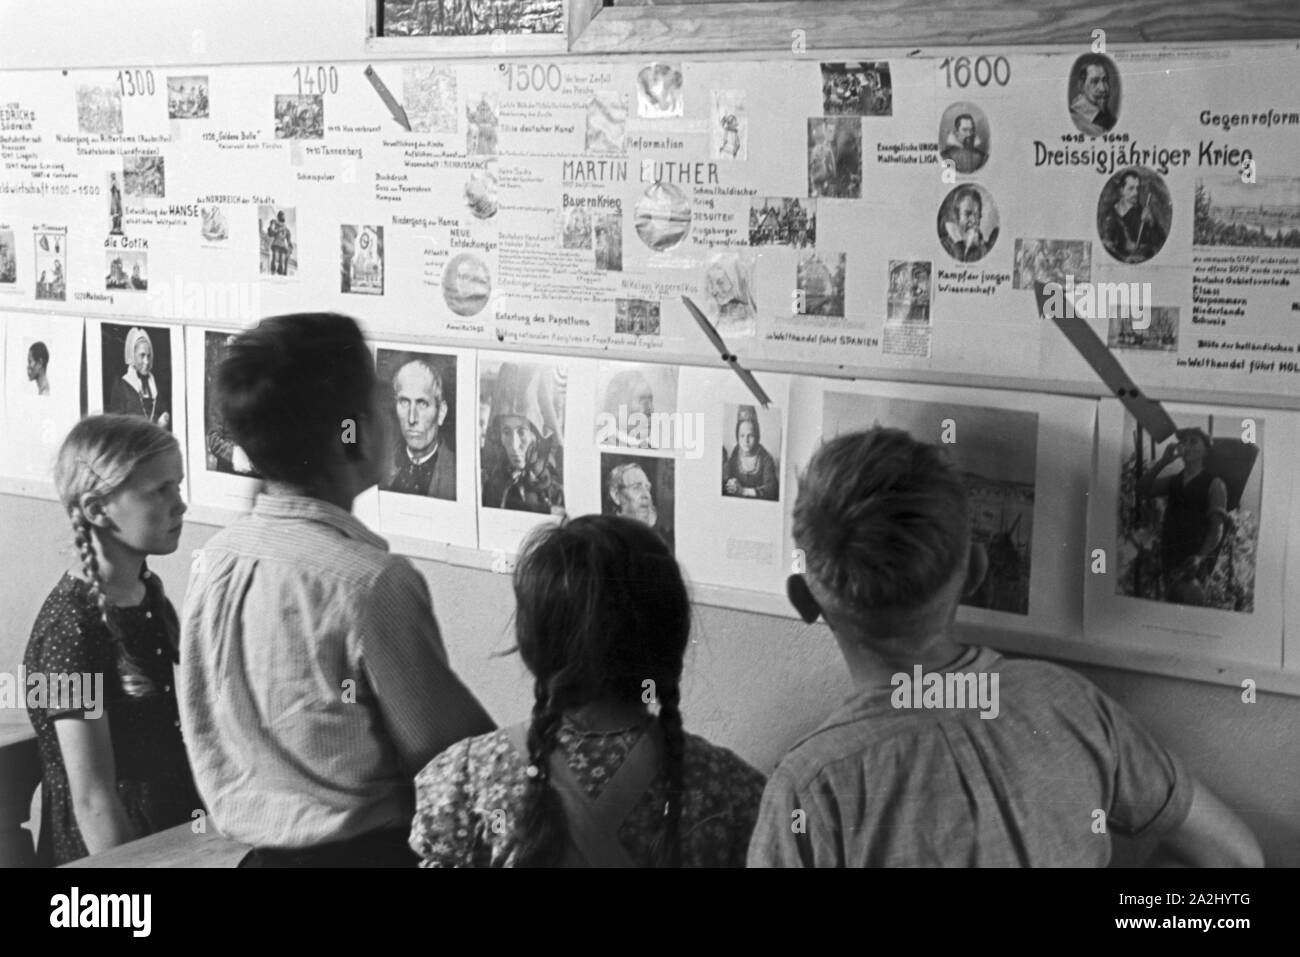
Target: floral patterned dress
column 470, row 796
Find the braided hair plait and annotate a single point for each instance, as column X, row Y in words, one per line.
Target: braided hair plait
column 667, row 848
column 135, row 682
column 542, row 831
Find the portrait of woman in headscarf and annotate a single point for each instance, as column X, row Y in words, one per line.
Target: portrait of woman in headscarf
column 136, row 393
column 727, row 280
column 523, row 452
column 749, row 471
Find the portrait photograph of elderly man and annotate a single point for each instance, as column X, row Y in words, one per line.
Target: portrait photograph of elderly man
column 423, row 392
column 640, row 487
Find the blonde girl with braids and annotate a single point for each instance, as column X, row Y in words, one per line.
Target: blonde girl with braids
column 115, row 768
column 602, row 774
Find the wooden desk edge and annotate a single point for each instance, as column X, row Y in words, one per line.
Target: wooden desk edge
column 176, row 847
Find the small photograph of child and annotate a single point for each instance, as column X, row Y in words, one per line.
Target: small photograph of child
column 607, row 229
column 1051, row 260
column 729, row 127
column 641, row 488
column 659, row 91
column 127, row 270
column 820, row 284
column 751, row 453
column 575, row 228
column 99, row 110
column 636, row 317
column 143, row 175
column 277, row 251
column 145, row 387
column 187, row 97
column 606, row 122
column 222, row 454
column 863, row 89
column 299, row 117
column 909, row 292
column 835, row 157
column 783, row 220
column 362, row 259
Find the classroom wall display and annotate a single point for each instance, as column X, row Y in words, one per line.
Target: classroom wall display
column 843, row 215
column 429, row 485
column 571, row 203
column 1188, row 535
column 1025, row 461
column 41, row 391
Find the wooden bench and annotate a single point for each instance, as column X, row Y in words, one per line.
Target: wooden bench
column 176, row 847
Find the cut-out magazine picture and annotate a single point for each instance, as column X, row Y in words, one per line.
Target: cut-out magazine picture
column 996, row 453
column 1189, row 512
column 1187, row 535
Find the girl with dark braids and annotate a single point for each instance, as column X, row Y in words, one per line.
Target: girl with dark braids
column 114, row 764
column 603, row 773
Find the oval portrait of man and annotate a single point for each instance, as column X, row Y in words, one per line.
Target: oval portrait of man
column 964, row 137
column 1094, row 94
column 1133, row 214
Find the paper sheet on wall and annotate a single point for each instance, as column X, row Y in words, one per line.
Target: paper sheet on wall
column 1025, row 461
column 1191, row 566
column 42, row 391
column 731, row 482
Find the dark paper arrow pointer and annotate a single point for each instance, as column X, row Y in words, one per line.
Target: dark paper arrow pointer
column 390, row 101
column 746, row 376
column 1150, row 414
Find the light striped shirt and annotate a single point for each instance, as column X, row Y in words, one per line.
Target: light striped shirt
column 313, row 680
